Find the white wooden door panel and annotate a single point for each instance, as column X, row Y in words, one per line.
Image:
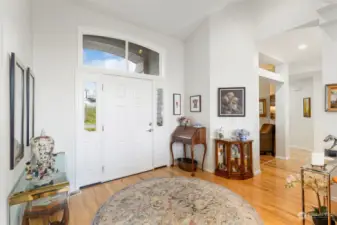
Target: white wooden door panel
column 127, row 145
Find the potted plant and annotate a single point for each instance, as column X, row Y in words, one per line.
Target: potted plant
column 319, row 187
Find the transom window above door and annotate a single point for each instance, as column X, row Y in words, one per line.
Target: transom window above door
column 115, row 54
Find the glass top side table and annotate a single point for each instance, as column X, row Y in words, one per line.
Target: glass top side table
column 325, row 171
column 28, row 193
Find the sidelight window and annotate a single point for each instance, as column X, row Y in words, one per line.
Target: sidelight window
column 90, row 106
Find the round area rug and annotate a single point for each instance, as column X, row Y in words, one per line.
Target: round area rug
column 176, row 201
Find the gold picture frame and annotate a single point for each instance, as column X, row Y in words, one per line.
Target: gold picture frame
column 263, row 107
column 307, row 107
column 331, row 98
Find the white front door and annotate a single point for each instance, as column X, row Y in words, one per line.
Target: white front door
column 127, row 121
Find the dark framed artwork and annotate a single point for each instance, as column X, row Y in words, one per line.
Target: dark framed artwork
column 232, row 102
column 30, row 105
column 176, row 104
column 263, row 107
column 331, row 98
column 17, row 104
column 307, row 107
column 272, row 107
column 195, row 103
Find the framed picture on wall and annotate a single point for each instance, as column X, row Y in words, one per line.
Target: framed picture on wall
column 195, row 103
column 232, row 102
column 307, row 107
column 263, row 107
column 16, row 105
column 331, row 98
column 30, row 105
column 176, row 104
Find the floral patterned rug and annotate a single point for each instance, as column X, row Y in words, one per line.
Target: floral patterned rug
column 175, row 201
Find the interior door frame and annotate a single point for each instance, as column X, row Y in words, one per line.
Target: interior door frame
column 157, row 82
column 85, row 74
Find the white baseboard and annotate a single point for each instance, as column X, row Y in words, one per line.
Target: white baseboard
column 334, row 199
column 257, row 172
column 75, row 192
column 282, row 157
column 209, row 170
column 301, row 148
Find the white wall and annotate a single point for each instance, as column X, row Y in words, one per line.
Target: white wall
column 197, row 81
column 301, row 128
column 55, row 29
column 271, row 19
column 234, row 63
column 329, row 68
column 15, row 36
column 264, row 93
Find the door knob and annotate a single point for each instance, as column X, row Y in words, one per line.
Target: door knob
column 149, row 130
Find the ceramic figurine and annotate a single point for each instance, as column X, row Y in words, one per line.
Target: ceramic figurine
column 221, row 132
column 331, row 138
column 42, row 148
column 29, row 171
column 242, row 134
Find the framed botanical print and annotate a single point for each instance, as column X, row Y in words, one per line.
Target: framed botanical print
column 30, row 105
column 232, row 102
column 195, row 103
column 176, row 104
column 307, row 107
column 16, row 106
column 331, row 98
column 263, row 107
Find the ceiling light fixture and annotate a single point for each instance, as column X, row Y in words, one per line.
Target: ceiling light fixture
column 302, row 46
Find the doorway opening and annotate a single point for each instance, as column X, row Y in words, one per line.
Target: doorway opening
column 267, row 109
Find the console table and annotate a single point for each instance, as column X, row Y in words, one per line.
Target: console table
column 31, row 201
column 233, row 159
column 189, row 136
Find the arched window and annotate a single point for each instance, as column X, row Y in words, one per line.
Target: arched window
column 116, row 54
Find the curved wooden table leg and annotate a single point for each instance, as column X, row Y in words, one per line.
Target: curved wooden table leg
column 171, row 148
column 192, row 156
column 185, row 150
column 203, row 159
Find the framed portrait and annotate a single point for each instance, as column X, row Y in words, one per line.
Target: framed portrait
column 195, row 103
column 30, row 105
column 176, row 104
column 263, row 107
column 232, row 102
column 17, row 103
column 307, row 107
column 331, row 98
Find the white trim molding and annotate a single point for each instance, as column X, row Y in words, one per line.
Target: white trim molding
column 257, row 172
column 300, row 148
column 282, row 157
column 334, row 198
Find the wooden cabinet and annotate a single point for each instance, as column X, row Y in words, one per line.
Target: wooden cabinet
column 234, row 159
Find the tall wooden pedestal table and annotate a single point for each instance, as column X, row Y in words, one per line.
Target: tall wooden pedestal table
column 234, row 159
column 189, row 136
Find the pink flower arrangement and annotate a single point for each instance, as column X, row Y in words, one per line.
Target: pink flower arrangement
column 183, row 121
column 313, row 182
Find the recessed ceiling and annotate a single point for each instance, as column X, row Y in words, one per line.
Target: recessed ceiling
column 284, row 47
column 176, row 18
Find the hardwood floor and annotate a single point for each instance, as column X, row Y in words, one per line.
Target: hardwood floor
column 265, row 192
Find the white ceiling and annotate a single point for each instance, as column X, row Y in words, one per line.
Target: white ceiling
column 176, row 18
column 284, row 47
